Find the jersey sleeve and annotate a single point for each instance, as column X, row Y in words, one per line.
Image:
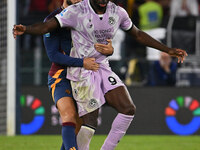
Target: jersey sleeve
column 67, row 18
column 126, row 22
column 52, row 45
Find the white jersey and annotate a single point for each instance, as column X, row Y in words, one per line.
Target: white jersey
column 88, row 28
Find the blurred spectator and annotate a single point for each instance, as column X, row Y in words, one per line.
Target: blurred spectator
column 166, row 11
column 162, row 72
column 38, row 10
column 132, row 9
column 131, row 6
column 184, row 8
column 146, row 15
column 38, row 5
column 182, row 27
column 150, row 15
column 121, row 3
column 137, row 50
column 54, row 4
column 165, row 5
column 33, row 11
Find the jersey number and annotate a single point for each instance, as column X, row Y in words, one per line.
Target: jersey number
column 112, row 80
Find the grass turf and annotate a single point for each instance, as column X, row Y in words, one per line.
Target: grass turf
column 129, row 142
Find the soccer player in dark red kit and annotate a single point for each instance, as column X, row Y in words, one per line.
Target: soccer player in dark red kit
column 95, row 21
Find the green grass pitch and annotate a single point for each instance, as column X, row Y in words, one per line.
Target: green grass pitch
column 129, row 142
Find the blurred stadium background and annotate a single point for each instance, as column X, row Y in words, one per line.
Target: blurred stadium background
column 26, row 107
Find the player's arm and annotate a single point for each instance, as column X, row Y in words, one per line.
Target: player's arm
column 36, row 29
column 105, row 49
column 52, row 45
column 147, row 40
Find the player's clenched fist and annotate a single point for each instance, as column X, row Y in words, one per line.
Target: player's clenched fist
column 90, row 64
column 18, row 30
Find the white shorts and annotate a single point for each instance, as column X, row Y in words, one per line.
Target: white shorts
column 89, row 93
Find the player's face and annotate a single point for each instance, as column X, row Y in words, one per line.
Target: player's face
column 70, row 2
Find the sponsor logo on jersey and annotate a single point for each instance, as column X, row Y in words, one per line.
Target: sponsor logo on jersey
column 47, row 35
column 62, row 13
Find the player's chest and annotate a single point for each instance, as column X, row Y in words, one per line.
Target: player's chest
column 100, row 24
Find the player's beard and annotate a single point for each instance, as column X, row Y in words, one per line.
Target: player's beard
column 100, row 4
column 69, row 2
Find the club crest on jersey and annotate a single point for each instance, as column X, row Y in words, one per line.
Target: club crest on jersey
column 111, row 20
column 93, row 103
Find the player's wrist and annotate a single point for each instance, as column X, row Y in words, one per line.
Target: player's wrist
column 24, row 28
column 80, row 62
column 84, row 63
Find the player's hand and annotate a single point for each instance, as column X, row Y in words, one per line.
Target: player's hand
column 90, row 64
column 105, row 49
column 179, row 53
column 18, row 30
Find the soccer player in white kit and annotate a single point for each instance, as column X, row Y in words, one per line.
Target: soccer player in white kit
column 95, row 21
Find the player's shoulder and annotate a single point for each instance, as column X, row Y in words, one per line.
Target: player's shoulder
column 53, row 14
column 77, row 7
column 113, row 8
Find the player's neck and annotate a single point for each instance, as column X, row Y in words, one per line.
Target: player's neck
column 97, row 9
